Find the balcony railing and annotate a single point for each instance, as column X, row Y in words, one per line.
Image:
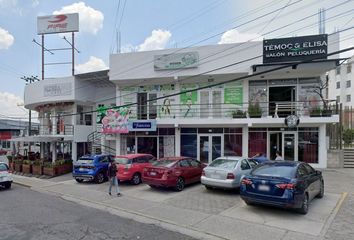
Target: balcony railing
column 64, row 129
column 279, row 109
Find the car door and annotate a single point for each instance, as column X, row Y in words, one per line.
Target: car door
column 243, row 169
column 314, row 179
column 103, row 162
column 185, row 170
column 305, row 181
column 196, row 170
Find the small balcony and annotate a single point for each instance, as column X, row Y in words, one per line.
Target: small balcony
column 61, row 129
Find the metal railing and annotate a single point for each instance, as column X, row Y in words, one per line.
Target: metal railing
column 61, row 129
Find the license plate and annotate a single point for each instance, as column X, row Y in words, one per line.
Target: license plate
column 264, row 188
column 214, row 176
column 82, row 169
column 153, row 173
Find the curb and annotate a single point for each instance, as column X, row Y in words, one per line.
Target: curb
column 22, row 184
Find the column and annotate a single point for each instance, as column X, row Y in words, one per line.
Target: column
column 103, row 143
column 42, row 149
column 177, row 141
column 54, row 122
column 245, row 141
column 53, row 147
column 322, row 147
column 74, row 151
column 117, row 144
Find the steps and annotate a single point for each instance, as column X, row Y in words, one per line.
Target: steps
column 94, row 144
column 348, row 155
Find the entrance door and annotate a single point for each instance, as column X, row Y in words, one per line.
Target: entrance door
column 147, row 145
column 275, row 144
column 289, row 146
column 210, row 146
column 210, row 103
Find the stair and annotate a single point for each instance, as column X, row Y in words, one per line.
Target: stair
column 95, row 146
column 348, row 155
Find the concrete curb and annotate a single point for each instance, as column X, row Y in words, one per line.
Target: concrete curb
column 22, row 184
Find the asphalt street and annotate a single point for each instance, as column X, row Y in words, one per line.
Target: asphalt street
column 29, row 215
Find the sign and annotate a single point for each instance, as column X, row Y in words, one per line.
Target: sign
column 5, row 135
column 142, row 125
column 187, row 100
column 58, row 89
column 233, row 94
column 176, row 61
column 292, row 121
column 295, row 49
column 115, row 120
column 58, row 23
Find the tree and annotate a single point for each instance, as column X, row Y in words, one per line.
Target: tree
column 320, row 89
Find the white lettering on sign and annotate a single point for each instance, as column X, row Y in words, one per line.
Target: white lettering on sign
column 59, row 89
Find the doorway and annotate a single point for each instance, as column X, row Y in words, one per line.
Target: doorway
column 210, row 103
column 275, row 144
column 281, row 94
column 147, row 145
column 284, row 142
column 210, row 146
column 147, row 108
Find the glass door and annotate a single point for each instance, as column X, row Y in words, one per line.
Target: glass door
column 210, row 103
column 204, row 104
column 289, row 149
column 210, row 146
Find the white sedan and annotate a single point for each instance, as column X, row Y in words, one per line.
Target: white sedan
column 5, row 176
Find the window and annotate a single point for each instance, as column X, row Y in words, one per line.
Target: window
column 349, row 68
column 348, row 98
column 245, row 165
column 338, row 70
column 104, row 159
column 338, row 85
column 194, row 163
column 338, row 99
column 309, row 169
column 184, row 163
column 301, row 171
column 348, row 84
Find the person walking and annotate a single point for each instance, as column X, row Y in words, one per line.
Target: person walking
column 278, row 156
column 112, row 175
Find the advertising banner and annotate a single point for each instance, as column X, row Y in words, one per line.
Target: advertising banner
column 233, row 94
column 142, row 125
column 58, row 23
column 113, row 120
column 176, row 61
column 295, row 48
column 188, row 99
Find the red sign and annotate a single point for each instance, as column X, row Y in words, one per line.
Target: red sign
column 58, row 23
column 5, row 135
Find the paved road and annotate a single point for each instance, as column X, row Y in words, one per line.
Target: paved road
column 27, row 215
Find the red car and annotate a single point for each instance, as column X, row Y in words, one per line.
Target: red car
column 173, row 172
column 130, row 166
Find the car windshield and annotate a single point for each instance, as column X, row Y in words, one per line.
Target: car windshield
column 274, row 171
column 3, row 167
column 163, row 163
column 224, row 163
column 85, row 160
column 123, row 160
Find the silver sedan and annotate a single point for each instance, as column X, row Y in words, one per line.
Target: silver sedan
column 225, row 172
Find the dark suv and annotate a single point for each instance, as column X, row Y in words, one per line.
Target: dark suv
column 92, row 168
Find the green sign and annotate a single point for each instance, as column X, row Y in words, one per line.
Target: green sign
column 188, row 99
column 233, row 94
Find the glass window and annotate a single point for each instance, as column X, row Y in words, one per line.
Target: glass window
column 189, row 145
column 189, row 130
column 232, row 145
column 184, row 163
column 349, row 68
column 163, row 163
column 257, row 143
column 348, row 98
column 3, row 167
column 338, row 85
column 224, row 163
column 123, row 160
column 301, row 171
column 104, row 159
column 274, row 170
column 338, row 70
column 349, row 84
column 338, row 99
column 194, row 163
column 252, row 162
column 309, row 169
column 308, row 147
column 245, row 165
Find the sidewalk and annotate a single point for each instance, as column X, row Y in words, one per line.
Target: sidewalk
column 200, row 213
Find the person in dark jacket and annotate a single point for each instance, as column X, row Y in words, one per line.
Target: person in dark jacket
column 112, row 175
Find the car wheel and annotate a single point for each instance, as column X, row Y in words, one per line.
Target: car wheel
column 207, row 187
column 7, row 185
column 305, row 205
column 321, row 193
column 99, row 178
column 79, row 180
column 180, row 184
column 136, row 179
column 249, row 203
column 153, row 186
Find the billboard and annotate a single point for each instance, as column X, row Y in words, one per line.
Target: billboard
column 176, row 61
column 58, row 23
column 295, row 48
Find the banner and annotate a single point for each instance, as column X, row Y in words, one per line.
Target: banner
column 113, row 120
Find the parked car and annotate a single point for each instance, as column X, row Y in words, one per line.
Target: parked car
column 288, row 184
column 5, row 176
column 173, row 172
column 92, row 168
column 131, row 166
column 225, row 172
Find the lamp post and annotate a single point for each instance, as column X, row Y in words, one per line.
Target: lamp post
column 29, row 80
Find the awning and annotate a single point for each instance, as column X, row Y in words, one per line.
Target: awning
column 43, row 138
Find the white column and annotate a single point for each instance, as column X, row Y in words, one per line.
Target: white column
column 54, row 122
column 117, row 144
column 322, row 149
column 54, row 151
column 103, row 143
column 245, row 141
column 74, row 151
column 42, row 150
column 177, row 141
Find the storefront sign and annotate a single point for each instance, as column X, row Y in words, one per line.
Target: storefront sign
column 176, row 61
column 58, row 23
column 233, row 94
column 295, row 49
column 292, row 121
column 142, row 125
column 188, row 99
column 59, row 89
column 5, row 135
column 113, row 120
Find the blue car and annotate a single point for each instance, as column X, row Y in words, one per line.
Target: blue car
column 92, row 168
column 286, row 184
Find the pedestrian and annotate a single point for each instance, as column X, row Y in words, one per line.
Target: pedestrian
column 112, row 175
column 278, row 156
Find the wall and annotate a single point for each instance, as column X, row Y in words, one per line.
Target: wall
column 335, row 159
column 81, row 132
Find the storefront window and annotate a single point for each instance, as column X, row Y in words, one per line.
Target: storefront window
column 233, row 145
column 189, row 145
column 308, row 147
column 257, row 143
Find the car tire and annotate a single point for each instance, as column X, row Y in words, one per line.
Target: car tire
column 321, row 193
column 153, row 186
column 79, row 180
column 136, row 179
column 7, row 185
column 305, row 205
column 208, row 187
column 99, row 178
column 248, row 203
column 180, row 184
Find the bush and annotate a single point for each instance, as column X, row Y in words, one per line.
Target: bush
column 238, row 114
column 348, row 136
column 254, row 110
column 26, row 162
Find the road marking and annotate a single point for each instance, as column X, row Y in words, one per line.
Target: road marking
column 340, row 202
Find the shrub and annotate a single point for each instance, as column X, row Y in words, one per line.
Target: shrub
column 348, row 136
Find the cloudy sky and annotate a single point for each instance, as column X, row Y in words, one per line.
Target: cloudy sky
column 147, row 25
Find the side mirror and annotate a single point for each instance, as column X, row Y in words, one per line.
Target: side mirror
column 318, row 172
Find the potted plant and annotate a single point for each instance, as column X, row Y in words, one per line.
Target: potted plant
column 18, row 165
column 11, row 163
column 49, row 169
column 315, row 112
column 27, row 166
column 238, row 114
column 37, row 167
column 254, row 110
column 320, row 90
column 63, row 166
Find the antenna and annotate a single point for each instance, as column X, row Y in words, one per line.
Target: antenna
column 322, row 21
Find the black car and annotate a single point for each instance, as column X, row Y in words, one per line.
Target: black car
column 285, row 184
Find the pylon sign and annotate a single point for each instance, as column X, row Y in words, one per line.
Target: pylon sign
column 58, row 23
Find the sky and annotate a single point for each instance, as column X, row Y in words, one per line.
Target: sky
column 147, row 25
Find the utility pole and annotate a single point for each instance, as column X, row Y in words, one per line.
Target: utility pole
column 29, row 80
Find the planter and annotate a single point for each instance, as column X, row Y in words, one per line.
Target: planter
column 37, row 169
column 326, row 113
column 27, row 168
column 255, row 116
column 63, row 169
column 18, row 167
column 50, row 171
column 12, row 166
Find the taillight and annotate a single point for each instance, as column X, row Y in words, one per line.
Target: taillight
column 203, row 173
column 285, row 186
column 230, row 176
column 246, row 181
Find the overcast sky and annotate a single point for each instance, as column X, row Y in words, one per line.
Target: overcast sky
column 147, row 25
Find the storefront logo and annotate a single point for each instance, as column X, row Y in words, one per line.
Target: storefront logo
column 295, row 49
column 292, row 121
column 176, row 61
column 142, row 125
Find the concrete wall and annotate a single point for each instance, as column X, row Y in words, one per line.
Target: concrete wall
column 335, row 159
